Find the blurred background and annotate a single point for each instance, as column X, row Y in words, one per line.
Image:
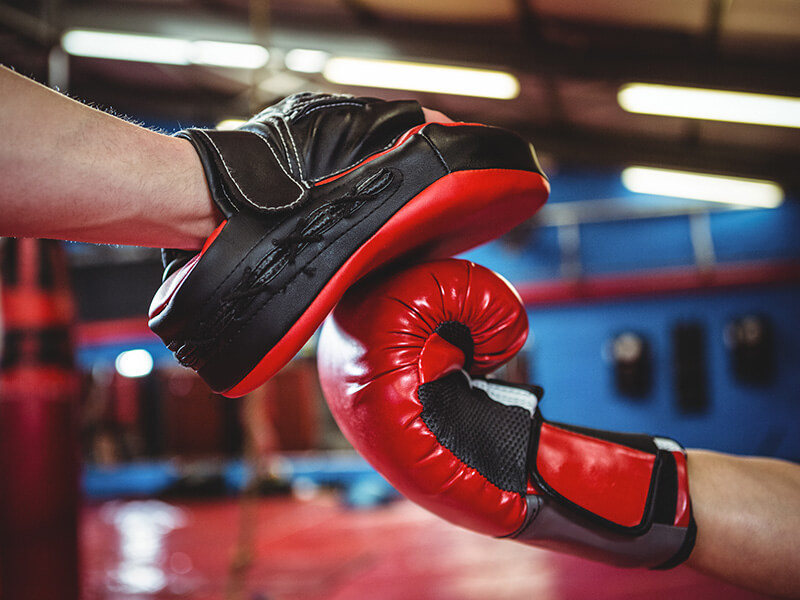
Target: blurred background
column 657, row 304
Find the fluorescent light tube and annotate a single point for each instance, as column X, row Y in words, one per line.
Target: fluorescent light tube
column 420, row 77
column 228, row 124
column 698, row 186
column 125, row 46
column 301, row 60
column 134, row 363
column 713, row 105
column 160, row 50
column 228, row 54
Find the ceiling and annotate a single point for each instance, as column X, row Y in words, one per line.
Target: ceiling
column 571, row 56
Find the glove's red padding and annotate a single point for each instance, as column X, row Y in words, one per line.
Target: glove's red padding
column 381, row 343
column 609, row 480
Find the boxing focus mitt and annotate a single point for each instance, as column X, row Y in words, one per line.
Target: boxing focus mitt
column 402, row 360
column 316, row 191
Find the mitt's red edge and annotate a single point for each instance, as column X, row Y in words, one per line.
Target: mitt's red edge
column 517, row 195
column 400, row 141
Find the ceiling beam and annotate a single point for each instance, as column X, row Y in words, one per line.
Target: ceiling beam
column 648, row 56
column 581, row 146
column 603, row 52
column 27, row 25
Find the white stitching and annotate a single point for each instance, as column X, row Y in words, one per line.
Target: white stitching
column 230, row 174
column 301, row 184
column 435, row 149
column 294, row 146
column 277, row 122
column 299, row 114
column 360, row 160
column 324, row 106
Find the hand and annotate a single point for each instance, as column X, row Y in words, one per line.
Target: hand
column 317, row 191
column 401, row 361
column 434, row 116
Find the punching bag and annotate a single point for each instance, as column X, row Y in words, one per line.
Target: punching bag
column 39, row 455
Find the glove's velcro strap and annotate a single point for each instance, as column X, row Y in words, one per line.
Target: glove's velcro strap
column 554, row 526
column 485, row 434
column 602, row 501
column 685, row 549
column 621, row 481
column 244, row 171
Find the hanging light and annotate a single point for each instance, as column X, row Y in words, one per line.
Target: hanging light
column 699, row 186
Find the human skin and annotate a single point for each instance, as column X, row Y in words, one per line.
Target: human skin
column 747, row 511
column 72, row 172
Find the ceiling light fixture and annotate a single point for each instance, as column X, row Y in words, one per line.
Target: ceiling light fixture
column 229, row 124
column 134, row 363
column 161, row 50
column 302, row 60
column 713, row 105
column 420, row 77
column 698, row 186
column 228, row 54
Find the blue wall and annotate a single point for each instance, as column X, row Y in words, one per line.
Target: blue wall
column 566, row 350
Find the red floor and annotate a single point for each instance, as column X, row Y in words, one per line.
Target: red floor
column 318, row 550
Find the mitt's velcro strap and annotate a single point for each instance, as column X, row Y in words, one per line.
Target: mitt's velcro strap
column 244, row 171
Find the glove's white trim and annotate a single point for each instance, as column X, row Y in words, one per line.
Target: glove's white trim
column 508, row 395
column 667, row 444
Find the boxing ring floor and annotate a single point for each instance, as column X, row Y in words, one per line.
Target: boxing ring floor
column 319, row 549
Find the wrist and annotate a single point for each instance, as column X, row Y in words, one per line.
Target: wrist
column 196, row 216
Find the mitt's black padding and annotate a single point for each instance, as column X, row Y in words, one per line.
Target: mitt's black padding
column 270, row 162
column 304, row 186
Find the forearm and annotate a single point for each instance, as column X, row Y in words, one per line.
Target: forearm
column 748, row 520
column 69, row 171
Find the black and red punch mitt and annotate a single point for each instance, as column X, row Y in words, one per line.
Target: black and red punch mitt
column 316, row 191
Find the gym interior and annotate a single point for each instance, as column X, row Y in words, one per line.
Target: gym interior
column 670, row 311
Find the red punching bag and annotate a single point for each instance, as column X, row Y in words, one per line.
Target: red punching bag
column 39, row 456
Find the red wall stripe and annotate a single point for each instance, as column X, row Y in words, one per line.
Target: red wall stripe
column 114, row 331
column 661, row 282
column 649, row 283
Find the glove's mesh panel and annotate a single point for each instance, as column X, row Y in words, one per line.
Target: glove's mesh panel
column 490, row 437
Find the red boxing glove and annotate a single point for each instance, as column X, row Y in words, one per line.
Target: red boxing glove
column 401, row 360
